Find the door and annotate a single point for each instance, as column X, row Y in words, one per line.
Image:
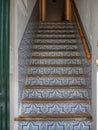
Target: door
column 4, row 64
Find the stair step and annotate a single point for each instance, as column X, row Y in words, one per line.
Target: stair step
column 57, row 28
column 55, row 87
column 54, row 81
column 38, row 101
column 57, row 33
column 57, row 50
column 56, row 44
column 58, row 54
column 56, row 57
column 56, row 61
column 56, row 93
column 56, row 25
column 55, row 40
column 55, row 65
column 69, row 38
column 53, row 47
column 55, row 75
column 53, row 70
column 55, row 117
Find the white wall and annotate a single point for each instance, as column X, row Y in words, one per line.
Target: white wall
column 88, row 10
column 18, row 21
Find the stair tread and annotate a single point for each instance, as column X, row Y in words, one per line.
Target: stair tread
column 52, row 100
column 55, row 117
column 55, row 87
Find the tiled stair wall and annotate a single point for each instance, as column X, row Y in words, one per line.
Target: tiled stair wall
column 25, row 49
column 55, row 94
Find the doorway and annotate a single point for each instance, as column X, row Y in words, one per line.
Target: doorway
column 55, row 10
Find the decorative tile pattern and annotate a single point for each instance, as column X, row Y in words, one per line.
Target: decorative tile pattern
column 56, row 70
column 87, row 66
column 51, row 47
column 55, row 125
column 55, row 36
column 55, row 41
column 56, row 93
column 25, row 59
column 56, row 81
column 25, row 49
column 55, row 108
column 57, row 31
column 66, row 53
column 55, row 61
column 56, row 27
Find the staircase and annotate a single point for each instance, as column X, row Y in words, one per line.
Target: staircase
column 55, row 95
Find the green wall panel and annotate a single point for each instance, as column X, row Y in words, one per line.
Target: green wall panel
column 4, row 64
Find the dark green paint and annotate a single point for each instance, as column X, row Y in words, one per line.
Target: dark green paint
column 4, row 64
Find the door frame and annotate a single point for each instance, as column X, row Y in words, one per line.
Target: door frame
column 4, row 64
column 43, row 10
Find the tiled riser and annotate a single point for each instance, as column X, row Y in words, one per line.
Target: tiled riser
column 55, row 41
column 55, row 125
column 53, row 31
column 55, row 35
column 53, row 70
column 56, row 81
column 56, row 27
column 55, row 108
column 55, row 61
column 54, row 47
column 53, row 93
column 55, row 53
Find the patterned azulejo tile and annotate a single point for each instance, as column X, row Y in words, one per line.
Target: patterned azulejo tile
column 55, row 108
column 55, row 125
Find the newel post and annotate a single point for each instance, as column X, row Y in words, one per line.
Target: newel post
column 68, row 10
column 43, row 10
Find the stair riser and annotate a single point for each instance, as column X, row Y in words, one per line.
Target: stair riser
column 55, row 54
column 63, row 70
column 52, row 93
column 56, row 81
column 57, row 31
column 55, row 125
column 59, row 26
column 52, row 47
column 55, row 36
column 55, row 61
column 55, row 40
column 55, row 108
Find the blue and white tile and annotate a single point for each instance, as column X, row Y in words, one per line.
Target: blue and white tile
column 51, row 47
column 55, row 70
column 55, row 61
column 66, row 53
column 53, row 31
column 55, row 125
column 55, row 81
column 55, row 108
column 56, row 27
column 56, row 93
column 55, row 41
column 55, row 36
